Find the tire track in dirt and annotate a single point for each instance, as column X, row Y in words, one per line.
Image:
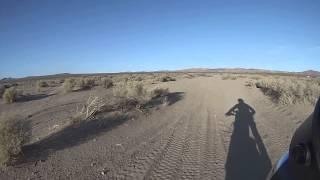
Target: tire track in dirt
column 208, row 155
column 190, row 168
column 163, row 139
column 169, row 164
column 219, row 151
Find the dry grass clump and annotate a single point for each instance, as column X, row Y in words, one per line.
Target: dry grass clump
column 134, row 94
column 93, row 106
column 189, row 76
column 68, row 85
column 54, row 83
column 136, row 77
column 139, row 78
column 12, row 137
column 159, row 92
column 127, row 96
column 85, row 83
column 10, row 95
column 42, row 83
column 166, row 78
column 106, row 82
column 249, row 83
column 137, row 90
column 120, row 90
column 130, row 90
column 290, row 91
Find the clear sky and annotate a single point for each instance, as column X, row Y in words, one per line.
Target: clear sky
column 39, row 37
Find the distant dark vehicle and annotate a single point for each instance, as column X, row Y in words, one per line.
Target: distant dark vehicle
column 302, row 161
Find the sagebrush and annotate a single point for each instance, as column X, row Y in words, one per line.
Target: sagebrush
column 135, row 94
column 107, row 82
column 93, row 106
column 12, row 136
column 10, row 95
column 42, row 83
column 159, row 92
column 68, row 85
column 166, row 78
column 290, row 90
column 85, row 83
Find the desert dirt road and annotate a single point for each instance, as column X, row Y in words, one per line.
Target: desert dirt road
column 190, row 139
column 196, row 140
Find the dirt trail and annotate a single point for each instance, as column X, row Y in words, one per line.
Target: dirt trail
column 190, row 139
column 202, row 143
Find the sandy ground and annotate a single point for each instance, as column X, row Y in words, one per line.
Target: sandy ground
column 192, row 138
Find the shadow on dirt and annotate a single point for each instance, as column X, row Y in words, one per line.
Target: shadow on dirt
column 70, row 136
column 26, row 98
column 175, row 97
column 247, row 156
column 74, row 135
column 169, row 99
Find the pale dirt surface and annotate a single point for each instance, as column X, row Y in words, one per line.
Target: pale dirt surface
column 190, row 139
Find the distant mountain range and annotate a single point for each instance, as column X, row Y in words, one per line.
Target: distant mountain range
column 310, row 73
column 231, row 70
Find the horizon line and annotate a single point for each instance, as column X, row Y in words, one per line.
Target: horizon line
column 151, row 71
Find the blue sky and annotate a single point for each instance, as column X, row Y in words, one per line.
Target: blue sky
column 55, row 36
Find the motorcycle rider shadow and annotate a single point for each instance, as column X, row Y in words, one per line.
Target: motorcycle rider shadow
column 247, row 156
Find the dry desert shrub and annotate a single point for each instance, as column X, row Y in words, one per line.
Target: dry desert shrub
column 139, row 78
column 159, row 92
column 93, row 106
column 130, row 90
column 189, row 76
column 137, row 90
column 120, row 90
column 121, row 93
column 249, row 83
column 135, row 77
column 133, row 94
column 42, row 83
column 289, row 90
column 106, row 82
column 166, row 78
column 85, row 83
column 10, row 95
column 12, row 137
column 68, row 85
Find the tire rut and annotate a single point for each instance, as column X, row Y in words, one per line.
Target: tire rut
column 170, row 163
column 139, row 167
